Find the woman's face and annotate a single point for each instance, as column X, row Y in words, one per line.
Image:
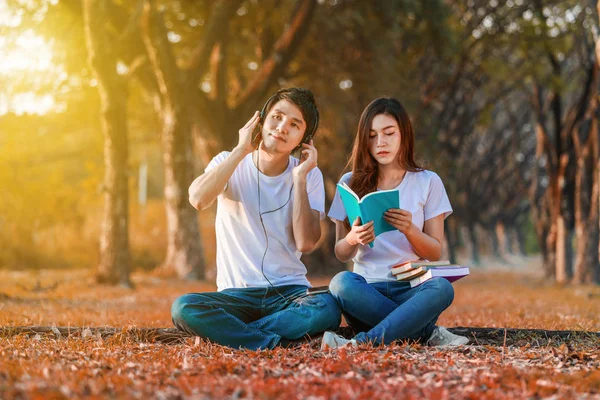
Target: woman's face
column 384, row 139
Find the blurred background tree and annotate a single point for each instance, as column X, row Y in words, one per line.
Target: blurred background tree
column 110, row 109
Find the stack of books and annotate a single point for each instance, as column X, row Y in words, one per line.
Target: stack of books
column 417, row 272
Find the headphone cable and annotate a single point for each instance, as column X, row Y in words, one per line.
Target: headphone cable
column 260, row 215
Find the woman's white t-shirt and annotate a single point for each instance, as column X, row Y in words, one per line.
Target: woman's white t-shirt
column 423, row 194
column 241, row 240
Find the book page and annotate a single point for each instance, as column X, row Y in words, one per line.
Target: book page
column 350, row 191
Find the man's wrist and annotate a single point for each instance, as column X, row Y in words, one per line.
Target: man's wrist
column 299, row 179
column 240, row 151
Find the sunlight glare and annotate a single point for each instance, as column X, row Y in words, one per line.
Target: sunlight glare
column 28, row 52
column 7, row 18
column 28, row 103
column 27, row 58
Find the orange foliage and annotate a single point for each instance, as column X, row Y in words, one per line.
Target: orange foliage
column 45, row 367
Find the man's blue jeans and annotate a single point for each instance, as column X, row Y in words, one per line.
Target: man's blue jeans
column 256, row 318
column 386, row 311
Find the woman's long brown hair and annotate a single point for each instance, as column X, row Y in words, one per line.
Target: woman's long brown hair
column 364, row 167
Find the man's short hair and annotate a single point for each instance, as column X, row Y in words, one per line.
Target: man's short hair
column 304, row 100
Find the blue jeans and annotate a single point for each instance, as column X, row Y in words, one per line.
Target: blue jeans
column 386, row 311
column 256, row 318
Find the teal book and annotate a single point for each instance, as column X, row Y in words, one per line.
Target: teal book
column 370, row 208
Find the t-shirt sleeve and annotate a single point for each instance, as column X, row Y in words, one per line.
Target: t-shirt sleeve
column 437, row 201
column 316, row 191
column 337, row 212
column 218, row 159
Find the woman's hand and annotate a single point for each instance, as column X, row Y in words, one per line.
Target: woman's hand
column 399, row 219
column 361, row 234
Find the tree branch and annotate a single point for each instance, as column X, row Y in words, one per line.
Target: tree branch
column 578, row 111
column 218, row 23
column 168, row 75
column 219, row 71
column 283, row 50
column 130, row 44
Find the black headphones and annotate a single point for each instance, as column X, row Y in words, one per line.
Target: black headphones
column 308, row 134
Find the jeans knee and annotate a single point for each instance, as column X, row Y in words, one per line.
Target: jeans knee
column 333, row 313
column 178, row 309
column 444, row 289
column 342, row 284
column 324, row 313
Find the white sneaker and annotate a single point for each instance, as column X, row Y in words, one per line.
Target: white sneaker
column 332, row 340
column 443, row 337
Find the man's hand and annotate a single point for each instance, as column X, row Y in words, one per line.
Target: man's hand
column 361, row 234
column 399, row 219
column 308, row 160
column 246, row 143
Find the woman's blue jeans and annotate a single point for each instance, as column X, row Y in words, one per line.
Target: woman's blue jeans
column 386, row 311
column 256, row 318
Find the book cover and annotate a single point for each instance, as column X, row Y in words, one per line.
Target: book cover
column 407, row 266
column 451, row 273
column 370, row 208
column 413, row 273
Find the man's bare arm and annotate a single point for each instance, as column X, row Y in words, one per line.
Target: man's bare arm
column 205, row 188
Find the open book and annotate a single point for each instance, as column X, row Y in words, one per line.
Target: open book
column 370, row 208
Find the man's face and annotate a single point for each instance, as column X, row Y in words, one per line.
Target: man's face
column 283, row 127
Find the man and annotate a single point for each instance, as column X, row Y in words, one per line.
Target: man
column 269, row 209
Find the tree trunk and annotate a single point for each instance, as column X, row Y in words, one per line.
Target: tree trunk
column 508, row 235
column 542, row 230
column 114, row 264
column 494, row 237
column 451, row 240
column 586, row 225
column 550, row 244
column 185, row 255
column 520, row 237
column 586, row 204
column 474, row 243
column 557, row 238
column 540, row 206
column 561, row 250
column 596, row 151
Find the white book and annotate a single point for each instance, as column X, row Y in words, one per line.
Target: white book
column 451, row 274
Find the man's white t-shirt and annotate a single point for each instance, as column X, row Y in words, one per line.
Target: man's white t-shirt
column 423, row 194
column 240, row 235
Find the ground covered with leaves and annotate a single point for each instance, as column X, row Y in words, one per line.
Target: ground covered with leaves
column 83, row 360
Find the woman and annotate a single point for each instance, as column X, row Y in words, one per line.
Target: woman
column 374, row 303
